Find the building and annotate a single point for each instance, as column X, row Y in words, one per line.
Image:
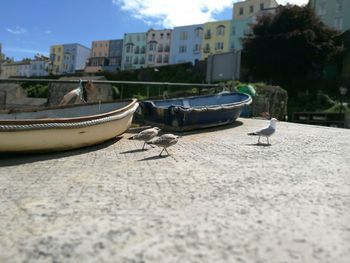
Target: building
column 68, row 58
column 249, row 8
column 115, row 55
column 186, row 44
column 244, row 15
column 26, row 68
column 334, row 13
column 216, row 38
column 106, row 55
column 158, row 47
column 39, row 66
column 134, row 51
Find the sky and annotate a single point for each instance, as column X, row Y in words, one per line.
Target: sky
column 28, row 27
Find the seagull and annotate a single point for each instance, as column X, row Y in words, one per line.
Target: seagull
column 165, row 141
column 266, row 132
column 146, row 135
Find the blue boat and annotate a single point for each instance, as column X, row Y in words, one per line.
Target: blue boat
column 185, row 114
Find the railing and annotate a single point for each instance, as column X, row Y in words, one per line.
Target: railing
column 151, row 89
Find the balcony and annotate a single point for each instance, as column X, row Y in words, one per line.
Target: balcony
column 206, row 50
column 207, row 36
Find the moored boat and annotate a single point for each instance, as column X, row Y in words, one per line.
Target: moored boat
column 64, row 128
column 184, row 114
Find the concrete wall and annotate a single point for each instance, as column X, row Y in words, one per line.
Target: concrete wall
column 58, row 90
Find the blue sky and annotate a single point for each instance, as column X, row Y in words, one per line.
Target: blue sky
column 28, row 27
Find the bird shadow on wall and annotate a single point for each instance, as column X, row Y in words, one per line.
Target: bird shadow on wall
column 23, row 158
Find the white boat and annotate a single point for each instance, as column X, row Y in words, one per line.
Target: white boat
column 64, row 128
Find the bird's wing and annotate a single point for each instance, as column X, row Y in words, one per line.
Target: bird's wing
column 165, row 139
column 266, row 131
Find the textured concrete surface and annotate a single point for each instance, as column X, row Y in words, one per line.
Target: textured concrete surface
column 218, row 198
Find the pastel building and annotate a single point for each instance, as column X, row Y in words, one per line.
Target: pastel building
column 9, row 69
column 186, row 44
column 244, row 15
column 115, row 55
column 134, row 51
column 334, row 13
column 216, row 38
column 105, row 55
column 158, row 47
column 68, row 58
column 39, row 67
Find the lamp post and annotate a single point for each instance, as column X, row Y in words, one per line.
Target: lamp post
column 342, row 91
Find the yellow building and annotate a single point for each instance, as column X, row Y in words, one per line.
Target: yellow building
column 249, row 8
column 56, row 58
column 216, row 38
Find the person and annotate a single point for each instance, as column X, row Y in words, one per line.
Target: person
column 81, row 94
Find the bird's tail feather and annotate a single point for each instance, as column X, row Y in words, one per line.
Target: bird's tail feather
column 131, row 138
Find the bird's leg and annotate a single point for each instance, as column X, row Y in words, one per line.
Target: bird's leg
column 161, row 152
column 259, row 140
column 166, row 151
column 268, row 140
column 144, row 146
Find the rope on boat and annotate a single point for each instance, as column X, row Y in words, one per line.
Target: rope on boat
column 56, row 125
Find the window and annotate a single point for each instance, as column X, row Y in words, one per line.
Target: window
column 241, row 11
column 95, row 45
column 100, row 54
column 161, row 35
column 137, row 50
column 338, row 23
column 182, row 49
column 251, row 9
column 220, row 30
column 128, row 48
column 322, row 8
column 136, row 60
column 150, row 58
column 166, row 59
column 153, row 36
column 219, row 45
column 167, row 35
column 339, row 6
column 160, row 48
column 199, row 32
column 127, row 59
column 167, row 48
column 152, row 46
column 262, row 6
column 233, row 30
column 159, row 59
column 197, row 48
column 58, row 58
column 138, row 38
column 183, row 35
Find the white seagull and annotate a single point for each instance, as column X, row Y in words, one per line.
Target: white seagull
column 266, row 132
column 165, row 141
column 146, row 135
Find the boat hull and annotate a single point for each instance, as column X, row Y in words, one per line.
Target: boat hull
column 180, row 115
column 64, row 134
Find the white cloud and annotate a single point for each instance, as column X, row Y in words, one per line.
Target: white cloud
column 23, row 50
column 170, row 13
column 17, row 30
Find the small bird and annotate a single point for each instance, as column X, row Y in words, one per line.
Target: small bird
column 165, row 141
column 146, row 135
column 266, row 132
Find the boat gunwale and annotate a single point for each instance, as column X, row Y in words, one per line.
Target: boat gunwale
column 248, row 100
column 132, row 102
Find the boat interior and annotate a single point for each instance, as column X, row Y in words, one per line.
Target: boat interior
column 203, row 101
column 70, row 111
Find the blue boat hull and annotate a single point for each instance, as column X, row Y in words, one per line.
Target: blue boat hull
column 197, row 112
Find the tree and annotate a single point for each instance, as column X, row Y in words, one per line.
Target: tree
column 292, row 45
